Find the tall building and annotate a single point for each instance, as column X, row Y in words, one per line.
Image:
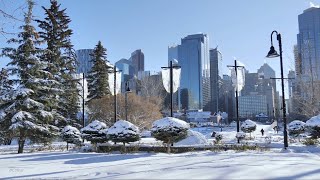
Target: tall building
column 193, row 57
column 215, row 77
column 137, row 59
column 127, row 71
column 308, row 43
column 84, row 60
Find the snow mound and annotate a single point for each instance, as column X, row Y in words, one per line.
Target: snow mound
column 169, row 122
column 296, row 125
column 248, row 124
column 70, row 130
column 314, row 121
column 123, row 127
column 94, row 126
column 193, row 138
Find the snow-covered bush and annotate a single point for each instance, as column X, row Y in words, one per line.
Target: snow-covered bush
column 240, row 136
column 296, row 127
column 95, row 132
column 313, row 125
column 123, row 131
column 218, row 137
column 169, row 130
column 71, row 135
column 193, row 138
column 248, row 126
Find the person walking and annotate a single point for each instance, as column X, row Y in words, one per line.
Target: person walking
column 262, row 131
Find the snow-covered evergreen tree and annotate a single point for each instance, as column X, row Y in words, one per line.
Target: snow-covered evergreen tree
column 71, row 135
column 296, row 128
column 95, row 132
column 98, row 76
column 5, row 87
column 123, row 131
column 169, row 130
column 248, row 126
column 61, row 59
column 28, row 117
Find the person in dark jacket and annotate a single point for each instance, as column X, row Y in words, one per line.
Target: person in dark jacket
column 262, row 131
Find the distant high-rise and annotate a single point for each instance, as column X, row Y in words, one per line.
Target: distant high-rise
column 308, row 43
column 137, row 59
column 127, row 71
column 193, row 57
column 215, row 78
column 84, row 60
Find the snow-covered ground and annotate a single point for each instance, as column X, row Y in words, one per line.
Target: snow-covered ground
column 200, row 165
column 298, row 162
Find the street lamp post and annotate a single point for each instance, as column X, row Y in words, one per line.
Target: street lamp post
column 126, row 98
column 115, row 92
column 237, row 101
column 171, row 85
column 83, row 121
column 271, row 54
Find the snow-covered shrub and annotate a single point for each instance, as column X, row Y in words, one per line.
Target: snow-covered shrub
column 169, row 130
column 95, row 132
column 313, row 125
column 218, row 137
column 71, row 135
column 296, row 127
column 193, row 138
column 240, row 136
column 248, row 126
column 123, row 131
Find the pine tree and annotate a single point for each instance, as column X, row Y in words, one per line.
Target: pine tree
column 27, row 117
column 5, row 87
column 98, row 85
column 61, row 59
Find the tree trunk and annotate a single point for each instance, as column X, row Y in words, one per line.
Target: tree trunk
column 67, row 146
column 168, row 147
column 124, row 147
column 21, row 141
column 21, row 145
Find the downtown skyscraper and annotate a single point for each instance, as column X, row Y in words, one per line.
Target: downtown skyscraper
column 308, row 43
column 193, row 57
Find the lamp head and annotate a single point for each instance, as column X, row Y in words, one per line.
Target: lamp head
column 272, row 53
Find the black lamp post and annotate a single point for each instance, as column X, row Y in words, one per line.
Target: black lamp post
column 271, row 54
column 171, row 85
column 83, row 121
column 237, row 98
column 115, row 92
column 126, row 98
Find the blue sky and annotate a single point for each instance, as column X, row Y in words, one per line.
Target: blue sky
column 240, row 29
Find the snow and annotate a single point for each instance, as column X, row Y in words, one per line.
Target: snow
column 70, row 130
column 94, row 126
column 168, row 122
column 123, row 127
column 192, row 165
column 20, row 116
column 314, row 121
column 248, row 124
column 296, row 125
column 298, row 162
column 193, row 138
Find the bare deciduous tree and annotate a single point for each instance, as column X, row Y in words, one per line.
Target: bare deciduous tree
column 140, row 110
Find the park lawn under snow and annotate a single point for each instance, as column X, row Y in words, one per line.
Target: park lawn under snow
column 198, row 165
column 299, row 162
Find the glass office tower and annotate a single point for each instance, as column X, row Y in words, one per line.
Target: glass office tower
column 309, row 42
column 193, row 57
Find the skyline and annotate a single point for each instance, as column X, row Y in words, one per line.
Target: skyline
column 239, row 29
